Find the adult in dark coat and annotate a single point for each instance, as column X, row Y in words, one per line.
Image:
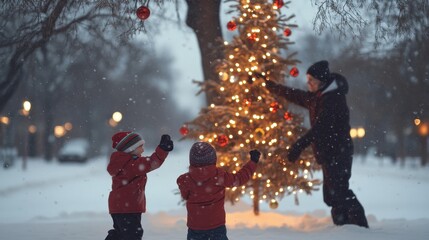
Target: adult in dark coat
column 329, row 137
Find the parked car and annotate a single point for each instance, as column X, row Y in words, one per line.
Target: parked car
column 74, row 150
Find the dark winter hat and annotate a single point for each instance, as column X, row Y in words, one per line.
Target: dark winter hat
column 126, row 141
column 320, row 70
column 202, row 154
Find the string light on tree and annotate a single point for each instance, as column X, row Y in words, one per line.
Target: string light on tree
column 246, row 116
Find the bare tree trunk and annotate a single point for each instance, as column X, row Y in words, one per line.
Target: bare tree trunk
column 12, row 79
column 49, row 127
column 401, row 148
column 203, row 18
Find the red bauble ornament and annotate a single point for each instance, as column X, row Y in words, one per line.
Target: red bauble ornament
column 278, row 3
column 274, row 106
column 222, row 140
column 184, row 130
column 287, row 32
column 231, row 25
column 287, row 116
column 143, row 12
column 252, row 37
column 294, row 72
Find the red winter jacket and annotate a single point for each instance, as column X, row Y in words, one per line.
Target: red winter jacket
column 203, row 188
column 129, row 180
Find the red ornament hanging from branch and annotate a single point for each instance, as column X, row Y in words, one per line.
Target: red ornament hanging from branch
column 222, row 140
column 287, row 116
column 143, row 13
column 231, row 25
column 252, row 37
column 278, row 3
column 287, row 32
column 274, row 106
column 294, row 72
column 184, row 130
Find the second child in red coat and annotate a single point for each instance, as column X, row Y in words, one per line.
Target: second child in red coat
column 203, row 189
column 127, row 200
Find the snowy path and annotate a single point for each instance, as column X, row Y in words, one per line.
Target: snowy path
column 69, row 201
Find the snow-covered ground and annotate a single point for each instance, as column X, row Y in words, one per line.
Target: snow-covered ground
column 69, row 202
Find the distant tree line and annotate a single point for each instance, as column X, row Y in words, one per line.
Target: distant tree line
column 83, row 84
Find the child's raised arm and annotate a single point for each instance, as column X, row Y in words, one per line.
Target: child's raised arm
column 245, row 173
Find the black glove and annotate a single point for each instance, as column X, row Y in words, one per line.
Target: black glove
column 259, row 75
column 254, row 156
column 294, row 152
column 270, row 84
column 166, row 143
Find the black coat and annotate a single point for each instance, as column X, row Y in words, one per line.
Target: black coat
column 329, row 134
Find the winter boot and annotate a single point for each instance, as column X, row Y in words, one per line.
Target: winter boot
column 339, row 215
column 356, row 215
column 112, row 235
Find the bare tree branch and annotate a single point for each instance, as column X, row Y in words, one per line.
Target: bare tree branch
column 392, row 20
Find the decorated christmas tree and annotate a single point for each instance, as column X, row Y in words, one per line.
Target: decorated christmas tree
column 246, row 116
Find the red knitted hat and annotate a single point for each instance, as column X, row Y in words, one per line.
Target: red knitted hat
column 126, row 141
column 202, row 154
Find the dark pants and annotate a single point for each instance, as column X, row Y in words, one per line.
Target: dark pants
column 126, row 226
column 218, row 233
column 346, row 209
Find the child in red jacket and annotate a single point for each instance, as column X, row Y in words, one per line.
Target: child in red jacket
column 203, row 188
column 128, row 169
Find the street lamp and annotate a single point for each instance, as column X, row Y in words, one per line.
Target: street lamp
column 59, row 131
column 68, row 126
column 32, row 129
column 26, row 107
column 4, row 120
column 357, row 132
column 116, row 118
column 423, row 131
column 7, row 152
column 25, row 111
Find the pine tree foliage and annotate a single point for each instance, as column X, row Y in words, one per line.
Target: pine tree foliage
column 248, row 116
